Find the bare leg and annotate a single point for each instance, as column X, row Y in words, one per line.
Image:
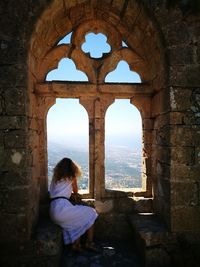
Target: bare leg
column 77, row 245
column 89, row 241
column 90, row 234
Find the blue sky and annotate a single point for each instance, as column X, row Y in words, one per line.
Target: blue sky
column 67, row 119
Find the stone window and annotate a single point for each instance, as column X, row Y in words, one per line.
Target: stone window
column 97, row 91
column 98, row 106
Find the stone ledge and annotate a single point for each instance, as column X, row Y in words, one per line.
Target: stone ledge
column 143, row 204
column 44, row 249
column 121, row 204
column 48, row 238
column 151, row 239
column 149, row 228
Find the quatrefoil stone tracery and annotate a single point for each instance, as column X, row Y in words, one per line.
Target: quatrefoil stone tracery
column 96, row 68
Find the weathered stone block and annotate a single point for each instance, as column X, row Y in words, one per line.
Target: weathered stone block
column 14, row 75
column 162, row 137
column 124, row 205
column 2, row 103
column 198, row 53
column 162, row 207
column 177, row 118
column 182, row 172
column 191, row 118
column 15, row 178
column 165, row 15
column 162, row 168
column 147, row 124
column 197, row 155
column 113, row 226
column 118, row 5
column 163, row 188
column 175, row 32
column 15, row 139
column 184, row 136
column 147, row 136
column 13, row 159
column 185, row 219
column 15, row 101
column 181, row 55
column 161, row 153
column 16, row 224
column 143, row 205
column 150, row 228
column 161, row 120
column 183, row 155
column 157, row 257
column 12, row 53
column 15, row 199
column 161, row 102
column 12, row 122
column 48, row 238
column 184, row 194
column 185, row 76
column 104, row 206
column 180, row 98
column 43, row 249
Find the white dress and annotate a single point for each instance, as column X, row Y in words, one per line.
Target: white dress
column 75, row 220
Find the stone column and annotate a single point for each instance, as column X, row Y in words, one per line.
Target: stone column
column 143, row 103
column 88, row 103
column 44, row 103
column 101, row 105
column 96, row 108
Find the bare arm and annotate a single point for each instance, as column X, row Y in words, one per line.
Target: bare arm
column 74, row 185
column 75, row 197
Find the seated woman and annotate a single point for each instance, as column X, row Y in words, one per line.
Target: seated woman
column 75, row 220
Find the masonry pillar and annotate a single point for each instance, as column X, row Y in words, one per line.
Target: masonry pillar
column 143, row 103
column 44, row 103
column 88, row 103
column 96, row 108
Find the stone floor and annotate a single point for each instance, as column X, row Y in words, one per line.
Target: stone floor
column 109, row 254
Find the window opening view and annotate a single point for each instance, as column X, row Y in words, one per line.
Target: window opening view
column 68, row 136
column 123, row 146
column 67, row 123
column 124, row 44
column 66, row 39
column 66, row 71
column 123, row 74
column 96, row 45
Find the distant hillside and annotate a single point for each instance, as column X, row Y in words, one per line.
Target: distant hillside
column 123, row 166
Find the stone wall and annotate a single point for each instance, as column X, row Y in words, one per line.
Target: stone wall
column 169, row 38
column 178, row 163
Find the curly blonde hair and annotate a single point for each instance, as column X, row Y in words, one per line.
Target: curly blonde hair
column 66, row 169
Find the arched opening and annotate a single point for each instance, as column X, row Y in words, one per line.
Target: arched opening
column 66, row 71
column 96, row 45
column 68, row 136
column 123, row 147
column 123, row 74
column 134, row 39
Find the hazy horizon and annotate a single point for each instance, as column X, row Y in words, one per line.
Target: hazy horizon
column 133, row 142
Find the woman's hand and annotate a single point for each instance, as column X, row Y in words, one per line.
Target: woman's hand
column 74, row 185
column 76, row 198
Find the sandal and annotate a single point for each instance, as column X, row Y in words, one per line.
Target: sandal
column 91, row 247
column 77, row 248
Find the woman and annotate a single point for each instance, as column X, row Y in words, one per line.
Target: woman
column 74, row 219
